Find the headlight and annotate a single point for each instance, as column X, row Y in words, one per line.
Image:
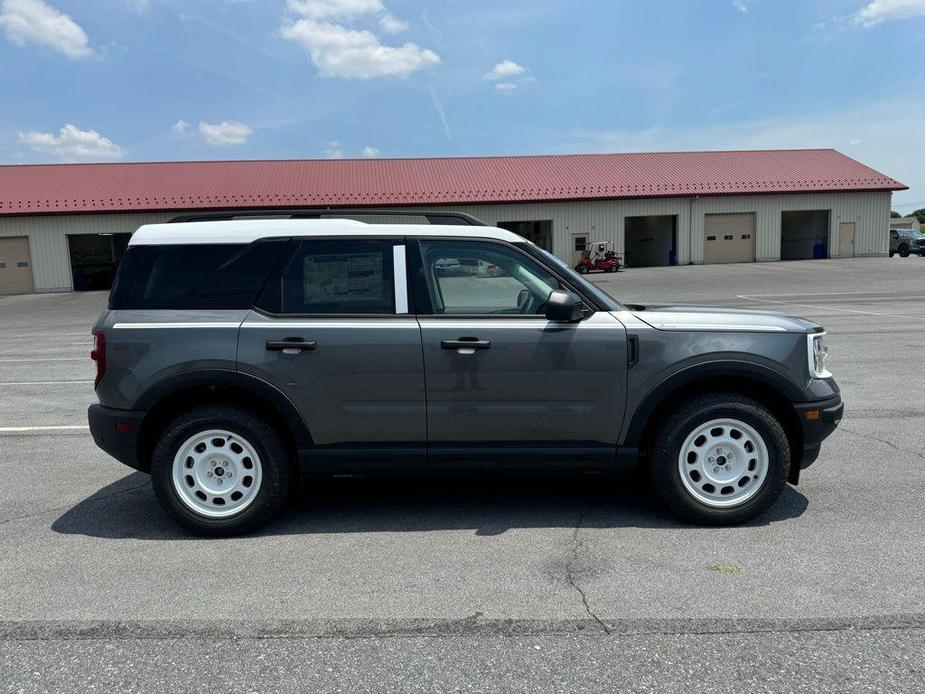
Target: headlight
column 817, row 353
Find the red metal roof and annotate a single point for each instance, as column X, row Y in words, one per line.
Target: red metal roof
column 203, row 185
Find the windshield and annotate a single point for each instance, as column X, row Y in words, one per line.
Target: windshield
column 606, row 302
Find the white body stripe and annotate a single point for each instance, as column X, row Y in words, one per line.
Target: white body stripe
column 378, row 323
column 158, row 326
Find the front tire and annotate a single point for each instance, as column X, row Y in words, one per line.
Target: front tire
column 581, row 269
column 720, row 459
column 903, row 251
column 220, row 470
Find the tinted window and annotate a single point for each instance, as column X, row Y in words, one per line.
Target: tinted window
column 337, row 277
column 476, row 277
column 190, row 276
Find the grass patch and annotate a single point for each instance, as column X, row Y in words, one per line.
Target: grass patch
column 727, row 569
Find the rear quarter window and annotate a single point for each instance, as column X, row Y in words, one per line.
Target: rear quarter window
column 193, row 276
column 352, row 277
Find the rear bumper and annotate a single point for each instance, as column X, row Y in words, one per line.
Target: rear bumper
column 818, row 420
column 116, row 432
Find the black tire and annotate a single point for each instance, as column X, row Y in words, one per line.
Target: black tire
column 666, row 476
column 903, row 251
column 275, row 465
column 581, row 269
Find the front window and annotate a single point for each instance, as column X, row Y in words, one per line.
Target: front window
column 479, row 278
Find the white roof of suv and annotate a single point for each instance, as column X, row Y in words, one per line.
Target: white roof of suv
column 245, row 231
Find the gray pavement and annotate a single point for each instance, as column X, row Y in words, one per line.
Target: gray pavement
column 450, row 585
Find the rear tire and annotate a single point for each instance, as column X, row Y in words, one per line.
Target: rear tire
column 220, row 470
column 720, row 459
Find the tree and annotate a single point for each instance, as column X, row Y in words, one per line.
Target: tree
column 919, row 215
column 894, row 214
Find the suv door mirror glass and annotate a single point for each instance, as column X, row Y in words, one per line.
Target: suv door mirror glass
column 563, row 306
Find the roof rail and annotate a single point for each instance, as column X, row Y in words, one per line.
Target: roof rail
column 432, row 217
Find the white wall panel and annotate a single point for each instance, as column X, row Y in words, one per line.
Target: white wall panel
column 599, row 219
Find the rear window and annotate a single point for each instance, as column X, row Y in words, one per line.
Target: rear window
column 192, row 276
column 334, row 277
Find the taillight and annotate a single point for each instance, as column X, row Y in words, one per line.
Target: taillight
column 99, row 354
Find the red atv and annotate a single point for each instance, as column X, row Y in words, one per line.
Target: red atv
column 599, row 256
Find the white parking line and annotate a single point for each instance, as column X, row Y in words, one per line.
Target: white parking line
column 59, row 427
column 41, row 383
column 828, row 308
column 25, row 359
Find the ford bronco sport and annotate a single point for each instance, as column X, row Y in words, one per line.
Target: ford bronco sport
column 237, row 355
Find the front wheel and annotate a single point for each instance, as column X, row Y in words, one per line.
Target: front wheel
column 720, row 459
column 904, row 251
column 581, row 269
column 220, row 470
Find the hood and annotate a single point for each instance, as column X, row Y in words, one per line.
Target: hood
column 687, row 318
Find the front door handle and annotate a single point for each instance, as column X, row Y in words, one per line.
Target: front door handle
column 465, row 345
column 290, row 345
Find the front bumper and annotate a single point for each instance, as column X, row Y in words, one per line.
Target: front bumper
column 818, row 420
column 116, row 432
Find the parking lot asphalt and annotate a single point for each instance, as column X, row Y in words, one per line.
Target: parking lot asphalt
column 461, row 584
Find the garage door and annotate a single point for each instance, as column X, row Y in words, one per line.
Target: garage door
column 729, row 238
column 15, row 266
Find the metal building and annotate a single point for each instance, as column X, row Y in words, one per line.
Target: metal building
column 64, row 227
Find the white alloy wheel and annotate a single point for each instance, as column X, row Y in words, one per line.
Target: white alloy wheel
column 723, row 463
column 216, row 473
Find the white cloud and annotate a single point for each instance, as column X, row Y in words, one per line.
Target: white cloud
column 335, row 9
column 505, row 70
column 878, row 11
column 36, row 22
column 73, row 144
column 350, row 53
column 180, row 127
column 333, row 150
column 339, row 50
column 391, row 24
column 371, row 152
column 228, row 132
column 138, row 5
column 740, row 6
column 508, row 76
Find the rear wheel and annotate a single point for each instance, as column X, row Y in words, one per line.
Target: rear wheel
column 220, row 470
column 720, row 459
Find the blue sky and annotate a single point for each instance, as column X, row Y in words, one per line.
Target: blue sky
column 105, row 80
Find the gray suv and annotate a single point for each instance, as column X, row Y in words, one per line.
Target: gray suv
column 237, row 356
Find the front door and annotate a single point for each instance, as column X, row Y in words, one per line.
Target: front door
column 504, row 385
column 334, row 335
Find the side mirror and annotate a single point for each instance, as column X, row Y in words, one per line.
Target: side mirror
column 565, row 307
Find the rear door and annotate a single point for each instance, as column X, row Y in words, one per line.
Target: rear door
column 504, row 385
column 333, row 333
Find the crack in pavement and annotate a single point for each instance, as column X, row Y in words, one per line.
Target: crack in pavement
column 570, row 572
column 884, row 442
column 66, row 506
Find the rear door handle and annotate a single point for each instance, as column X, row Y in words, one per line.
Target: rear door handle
column 466, row 345
column 290, row 345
